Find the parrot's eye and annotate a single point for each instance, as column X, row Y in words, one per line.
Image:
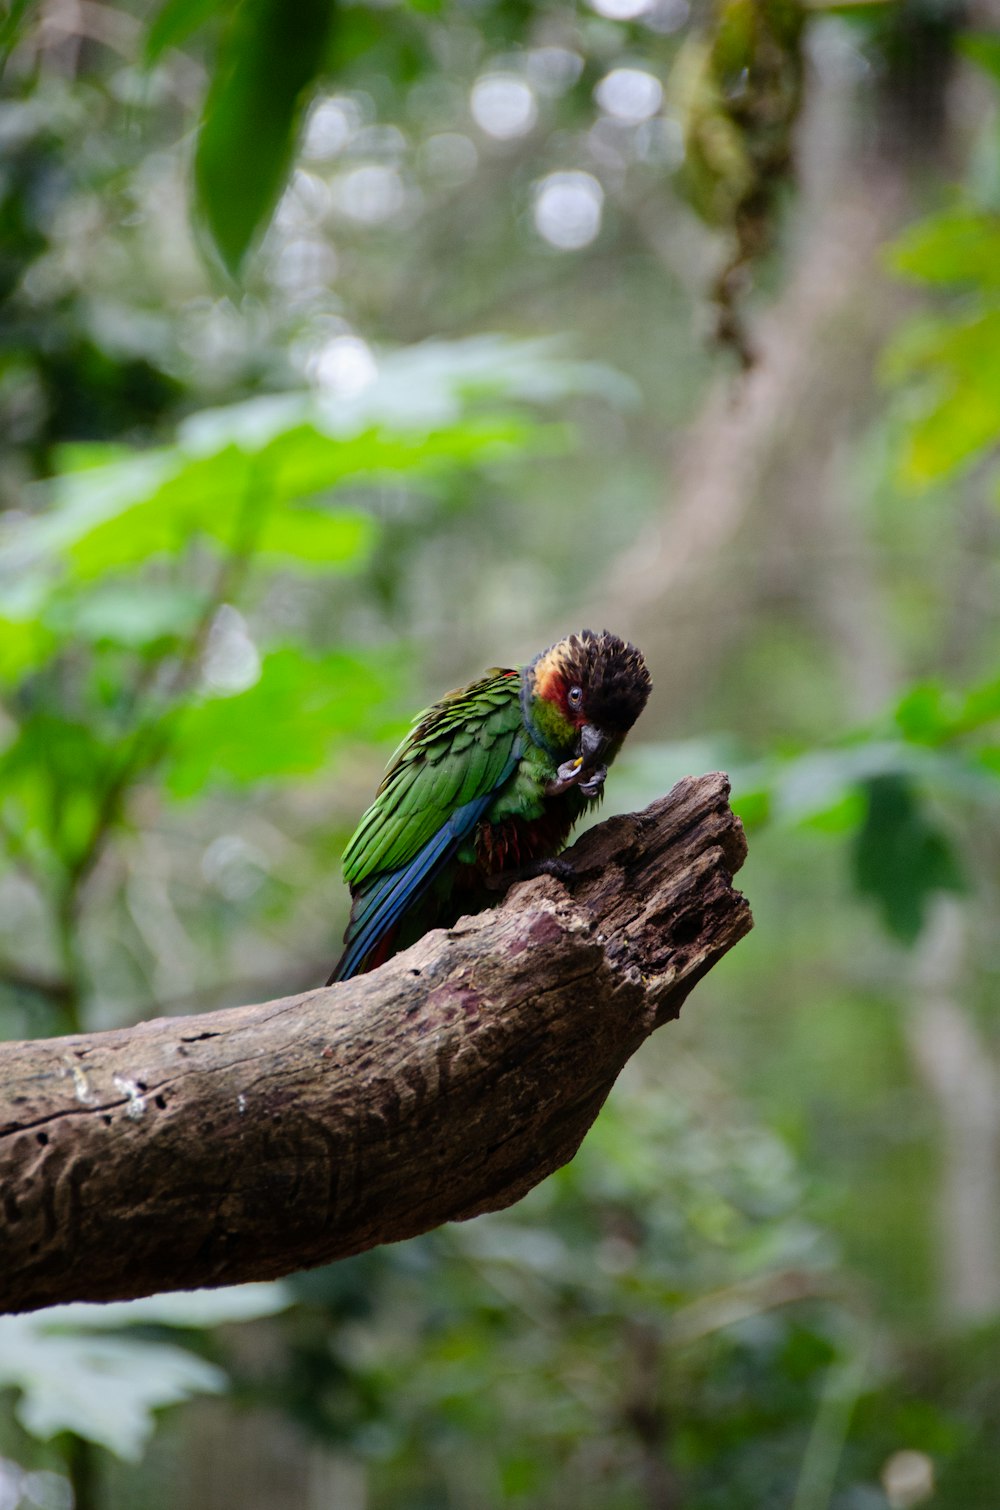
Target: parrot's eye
column 575, row 696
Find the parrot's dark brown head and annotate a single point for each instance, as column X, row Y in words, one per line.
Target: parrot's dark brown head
column 582, row 696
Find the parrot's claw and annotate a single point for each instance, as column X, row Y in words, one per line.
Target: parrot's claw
column 594, row 783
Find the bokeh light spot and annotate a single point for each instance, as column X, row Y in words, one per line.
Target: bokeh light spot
column 503, row 105
column 666, row 16
column 630, row 95
column 907, row 1478
column 371, row 194
column 567, row 209
column 621, row 10
column 231, row 662
column 344, row 367
column 331, row 124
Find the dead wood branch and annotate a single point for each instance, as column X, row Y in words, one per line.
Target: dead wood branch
column 245, row 1144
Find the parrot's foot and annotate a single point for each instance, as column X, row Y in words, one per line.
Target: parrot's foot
column 594, row 785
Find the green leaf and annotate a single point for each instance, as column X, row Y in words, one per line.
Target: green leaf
column 951, row 435
column 174, row 22
column 325, row 541
column 287, row 724
column 925, row 713
column 52, row 775
column 111, row 518
column 957, row 405
column 984, row 49
column 955, row 247
column 24, row 646
column 270, row 56
column 247, row 464
column 929, row 713
column 981, row 706
column 10, row 28
column 900, row 858
column 752, row 807
column 819, row 788
column 132, row 615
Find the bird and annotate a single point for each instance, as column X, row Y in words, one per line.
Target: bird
column 485, row 788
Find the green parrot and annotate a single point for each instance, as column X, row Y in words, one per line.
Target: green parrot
column 487, row 784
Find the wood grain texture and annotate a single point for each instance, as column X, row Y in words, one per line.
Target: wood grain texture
column 248, row 1143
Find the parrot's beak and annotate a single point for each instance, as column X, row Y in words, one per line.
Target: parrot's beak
column 585, row 766
column 592, row 745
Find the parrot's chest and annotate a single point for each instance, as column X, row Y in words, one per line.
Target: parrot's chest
column 513, row 842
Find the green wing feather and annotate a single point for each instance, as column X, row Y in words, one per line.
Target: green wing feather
column 457, row 751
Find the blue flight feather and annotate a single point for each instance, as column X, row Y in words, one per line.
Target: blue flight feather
column 393, row 893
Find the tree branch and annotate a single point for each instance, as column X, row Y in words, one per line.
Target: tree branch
column 245, row 1144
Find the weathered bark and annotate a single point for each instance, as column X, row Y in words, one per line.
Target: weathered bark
column 248, row 1143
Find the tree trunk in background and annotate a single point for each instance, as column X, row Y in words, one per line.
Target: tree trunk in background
column 755, row 517
column 961, row 1075
column 762, row 519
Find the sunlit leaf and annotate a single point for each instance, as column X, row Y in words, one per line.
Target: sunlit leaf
column 57, row 1376
column 25, row 644
column 958, row 246
column 951, row 435
column 839, row 817
column 925, row 712
column 82, row 502
column 287, row 724
column 327, row 541
column 177, row 1308
column 80, row 456
column 233, row 470
column 431, row 384
column 73, row 1376
column 957, row 348
column 132, row 614
column 955, row 369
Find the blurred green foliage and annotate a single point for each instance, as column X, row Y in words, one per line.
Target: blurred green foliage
column 242, row 542
column 126, row 662
column 678, row 1300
